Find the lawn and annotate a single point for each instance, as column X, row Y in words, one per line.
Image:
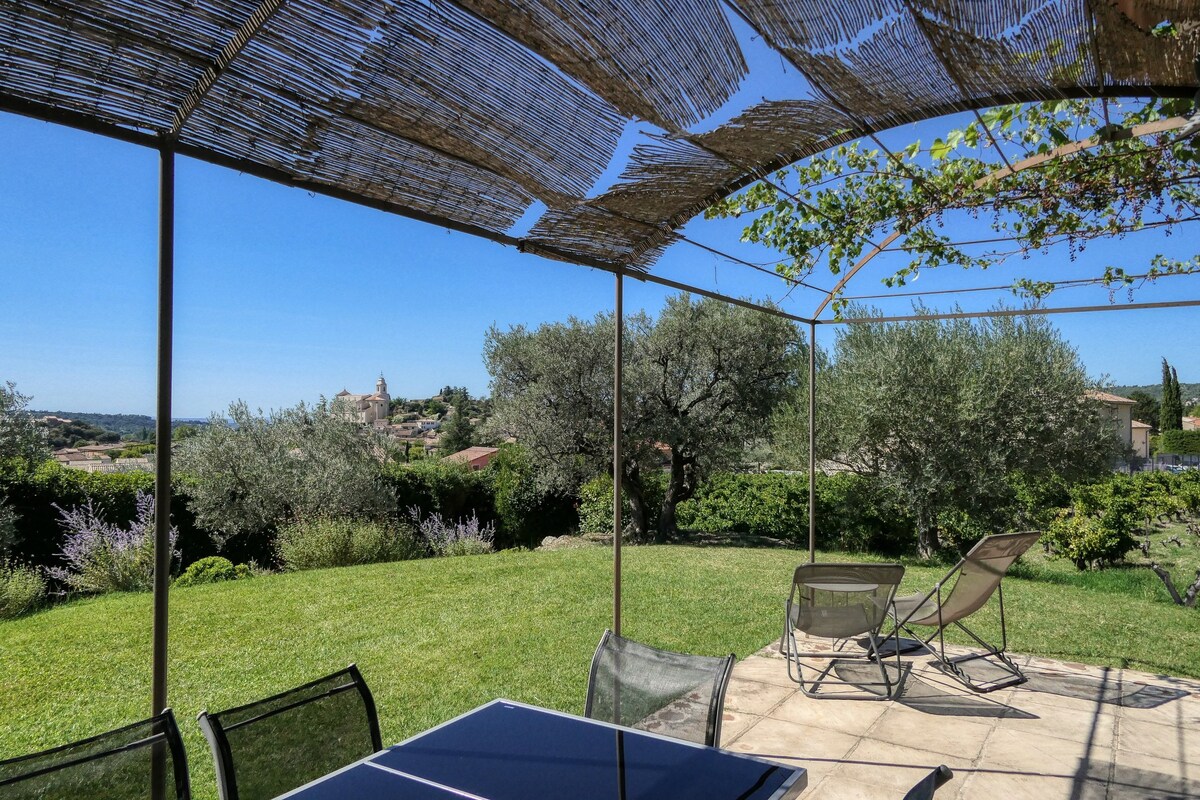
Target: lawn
column 437, row 637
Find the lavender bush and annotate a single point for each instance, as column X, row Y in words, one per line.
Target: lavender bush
column 101, row 557
column 463, row 537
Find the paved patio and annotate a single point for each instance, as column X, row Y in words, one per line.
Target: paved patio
column 1072, row 731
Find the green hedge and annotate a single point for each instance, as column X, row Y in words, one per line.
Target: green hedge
column 772, row 504
column 504, row 494
column 1181, row 443
column 596, row 504
column 853, row 512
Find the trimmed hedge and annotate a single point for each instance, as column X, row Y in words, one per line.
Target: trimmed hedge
column 853, row 512
column 596, row 504
column 771, row 504
column 1181, row 443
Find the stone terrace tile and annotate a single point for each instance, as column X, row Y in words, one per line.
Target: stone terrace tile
column 1142, row 776
column 1180, row 743
column 1072, row 732
column 843, row 716
column 1023, row 786
column 1014, row 750
column 896, row 767
column 755, row 697
column 950, row 736
column 734, row 724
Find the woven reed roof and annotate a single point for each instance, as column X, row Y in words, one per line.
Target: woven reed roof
column 479, row 114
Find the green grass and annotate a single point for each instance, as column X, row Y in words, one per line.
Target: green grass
column 437, row 637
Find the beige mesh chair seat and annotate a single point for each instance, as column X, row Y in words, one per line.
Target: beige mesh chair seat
column 840, row 602
column 674, row 694
column 967, row 588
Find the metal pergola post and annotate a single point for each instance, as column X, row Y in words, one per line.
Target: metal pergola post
column 618, row 342
column 812, row 442
column 162, row 423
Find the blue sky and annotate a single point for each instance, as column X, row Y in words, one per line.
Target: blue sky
column 283, row 295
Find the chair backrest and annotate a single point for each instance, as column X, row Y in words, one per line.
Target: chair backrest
column 268, row 747
column 840, row 600
column 981, row 570
column 674, row 694
column 119, row 765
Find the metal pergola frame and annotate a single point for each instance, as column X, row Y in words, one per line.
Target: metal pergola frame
column 163, row 433
column 168, row 144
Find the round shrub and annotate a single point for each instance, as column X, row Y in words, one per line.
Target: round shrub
column 343, row 543
column 1087, row 540
column 22, row 589
column 212, row 569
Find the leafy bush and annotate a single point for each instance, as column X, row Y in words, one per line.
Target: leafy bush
column 35, row 494
column 321, row 543
column 525, row 512
column 596, row 504
column 102, row 557
column 254, row 473
column 8, row 527
column 464, row 537
column 772, row 504
column 212, row 569
column 1088, row 540
column 433, row 486
column 858, row 513
column 22, row 589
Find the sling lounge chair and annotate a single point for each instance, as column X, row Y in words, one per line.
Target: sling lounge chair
column 966, row 588
column 674, row 694
column 840, row 601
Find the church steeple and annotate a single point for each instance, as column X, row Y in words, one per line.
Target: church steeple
column 381, row 385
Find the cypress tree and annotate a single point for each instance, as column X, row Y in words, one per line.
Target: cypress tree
column 1170, row 415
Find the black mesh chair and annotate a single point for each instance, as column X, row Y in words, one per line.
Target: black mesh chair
column 838, row 602
column 674, row 694
column 271, row 746
column 124, row 764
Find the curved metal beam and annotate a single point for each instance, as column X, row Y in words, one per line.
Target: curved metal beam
column 1147, row 129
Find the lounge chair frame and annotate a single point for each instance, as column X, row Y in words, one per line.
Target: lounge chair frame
column 940, row 596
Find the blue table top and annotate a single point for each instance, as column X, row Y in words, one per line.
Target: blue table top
column 511, row 751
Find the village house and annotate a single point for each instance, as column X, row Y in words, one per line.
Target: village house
column 1141, row 439
column 474, row 457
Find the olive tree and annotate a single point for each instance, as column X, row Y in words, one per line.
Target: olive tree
column 943, row 412
column 700, row 383
column 21, row 440
column 253, row 472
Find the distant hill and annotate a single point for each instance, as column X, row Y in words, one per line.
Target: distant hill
column 124, row 424
column 1188, row 391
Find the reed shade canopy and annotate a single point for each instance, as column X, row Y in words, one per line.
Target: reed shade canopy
column 504, row 119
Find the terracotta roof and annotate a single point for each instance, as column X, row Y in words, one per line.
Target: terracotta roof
column 471, row 453
column 1137, row 423
column 1105, row 397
